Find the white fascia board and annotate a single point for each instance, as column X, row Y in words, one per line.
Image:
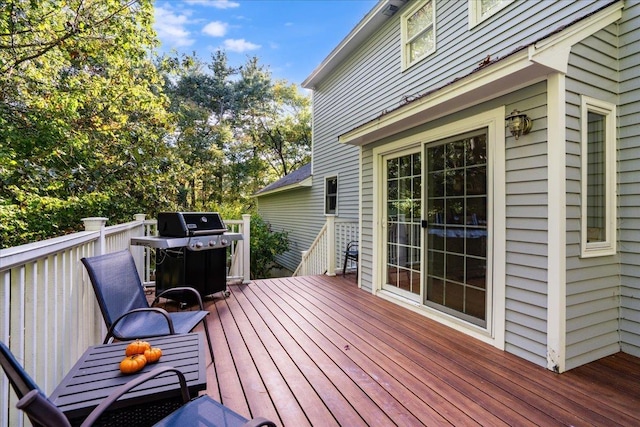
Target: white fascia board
column 367, row 26
column 307, row 182
column 554, row 50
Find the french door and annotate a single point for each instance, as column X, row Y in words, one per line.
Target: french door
column 436, row 238
column 403, row 194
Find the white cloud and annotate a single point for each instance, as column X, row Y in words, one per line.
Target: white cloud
column 215, row 29
column 171, row 28
column 218, row 4
column 239, row 45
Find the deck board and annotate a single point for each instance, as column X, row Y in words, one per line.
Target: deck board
column 318, row 351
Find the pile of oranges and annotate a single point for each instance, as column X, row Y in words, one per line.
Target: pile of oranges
column 137, row 355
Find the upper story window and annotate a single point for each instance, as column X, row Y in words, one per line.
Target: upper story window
column 479, row 10
column 598, row 224
column 331, row 195
column 418, row 32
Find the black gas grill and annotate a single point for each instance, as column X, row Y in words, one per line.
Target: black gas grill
column 188, row 224
column 191, row 250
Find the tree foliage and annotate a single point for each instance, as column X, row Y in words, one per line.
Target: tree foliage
column 92, row 125
column 81, row 114
column 236, row 124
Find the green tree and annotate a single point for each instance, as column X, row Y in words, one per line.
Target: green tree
column 236, row 131
column 282, row 134
column 82, row 115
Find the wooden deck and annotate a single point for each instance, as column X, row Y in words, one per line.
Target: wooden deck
column 319, row 351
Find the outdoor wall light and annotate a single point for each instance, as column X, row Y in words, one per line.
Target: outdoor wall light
column 519, row 123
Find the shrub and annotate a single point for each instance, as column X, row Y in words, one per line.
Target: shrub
column 265, row 245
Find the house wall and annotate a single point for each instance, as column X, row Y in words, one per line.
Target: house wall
column 629, row 177
column 289, row 211
column 371, row 82
column 593, row 284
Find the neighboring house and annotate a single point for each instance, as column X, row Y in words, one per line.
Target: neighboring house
column 287, row 206
column 531, row 244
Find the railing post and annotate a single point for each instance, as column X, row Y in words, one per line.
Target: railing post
column 246, row 248
column 331, row 245
column 140, row 253
column 303, row 263
column 97, row 224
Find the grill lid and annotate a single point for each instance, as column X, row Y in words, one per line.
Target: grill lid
column 186, row 224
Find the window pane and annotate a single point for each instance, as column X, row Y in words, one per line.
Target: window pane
column 487, row 5
column 596, row 178
column 456, row 197
column 331, row 196
column 404, row 175
column 421, row 19
column 421, row 45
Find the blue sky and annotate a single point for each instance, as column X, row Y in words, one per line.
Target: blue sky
column 291, row 37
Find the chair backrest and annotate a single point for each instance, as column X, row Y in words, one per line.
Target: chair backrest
column 116, row 283
column 41, row 411
column 19, row 379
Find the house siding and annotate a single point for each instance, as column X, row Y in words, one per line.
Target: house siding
column 593, row 284
column 527, row 230
column 371, row 82
column 289, row 211
column 628, row 178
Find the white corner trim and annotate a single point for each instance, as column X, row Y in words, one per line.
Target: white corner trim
column 557, row 209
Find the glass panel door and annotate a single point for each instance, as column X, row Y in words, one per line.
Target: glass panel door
column 403, row 192
column 456, row 235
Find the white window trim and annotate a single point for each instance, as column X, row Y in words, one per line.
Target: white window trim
column 475, row 17
column 405, row 48
column 327, row 178
column 608, row 247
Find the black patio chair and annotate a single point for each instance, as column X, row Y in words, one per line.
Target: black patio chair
column 351, row 254
column 201, row 410
column 124, row 305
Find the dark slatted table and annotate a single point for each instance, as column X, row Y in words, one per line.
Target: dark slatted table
column 97, row 374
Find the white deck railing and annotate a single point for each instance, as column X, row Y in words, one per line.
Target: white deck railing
column 49, row 314
column 325, row 255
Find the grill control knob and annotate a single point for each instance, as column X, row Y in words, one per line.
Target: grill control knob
column 212, row 243
column 224, row 242
column 199, row 244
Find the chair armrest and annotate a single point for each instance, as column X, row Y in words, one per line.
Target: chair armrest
column 259, row 422
column 41, row 411
column 158, row 310
column 120, row 391
column 181, row 289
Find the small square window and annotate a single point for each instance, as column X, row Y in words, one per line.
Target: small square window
column 418, row 32
column 598, row 224
column 331, row 195
column 479, row 10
